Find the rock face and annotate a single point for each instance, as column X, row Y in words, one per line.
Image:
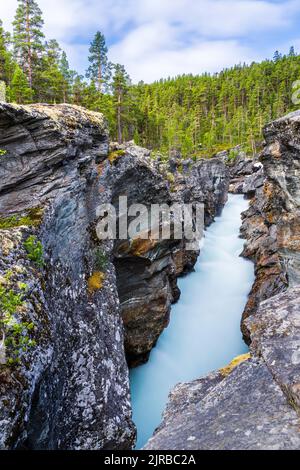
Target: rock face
column 272, row 223
column 147, row 269
column 254, row 406
column 246, row 175
column 69, row 389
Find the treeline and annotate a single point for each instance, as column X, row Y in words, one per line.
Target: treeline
column 207, row 113
column 196, row 115
column 37, row 70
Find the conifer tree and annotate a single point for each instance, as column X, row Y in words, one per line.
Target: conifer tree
column 99, row 70
column 28, row 37
column 19, row 91
column 292, row 52
column 120, row 89
column 6, row 61
column 50, row 80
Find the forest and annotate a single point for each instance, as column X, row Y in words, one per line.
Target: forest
column 194, row 115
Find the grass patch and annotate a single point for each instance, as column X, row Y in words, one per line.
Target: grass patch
column 114, row 156
column 32, row 218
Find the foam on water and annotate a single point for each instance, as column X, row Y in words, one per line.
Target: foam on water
column 204, row 332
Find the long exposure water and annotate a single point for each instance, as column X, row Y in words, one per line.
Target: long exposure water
column 204, row 332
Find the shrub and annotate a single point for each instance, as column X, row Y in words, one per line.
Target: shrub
column 2, row 152
column 34, row 250
column 114, row 156
column 32, row 218
column 101, row 260
column 16, row 333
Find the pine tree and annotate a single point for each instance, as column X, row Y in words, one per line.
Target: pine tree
column 292, row 52
column 277, row 56
column 120, row 88
column 100, row 69
column 28, row 37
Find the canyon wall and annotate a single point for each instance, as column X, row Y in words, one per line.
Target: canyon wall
column 68, row 387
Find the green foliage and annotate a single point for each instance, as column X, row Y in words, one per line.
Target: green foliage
column 99, row 70
column 121, row 99
column 19, row 90
column 28, row 37
column 101, row 261
column 115, row 155
column 34, row 250
column 201, row 115
column 232, row 154
column 16, row 332
column 32, row 218
column 196, row 115
column 2, row 152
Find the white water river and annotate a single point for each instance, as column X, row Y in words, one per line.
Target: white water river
column 204, row 332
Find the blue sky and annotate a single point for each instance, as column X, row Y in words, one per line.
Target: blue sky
column 161, row 38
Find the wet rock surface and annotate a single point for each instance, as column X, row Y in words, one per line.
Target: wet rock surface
column 147, row 269
column 271, row 224
column 70, row 390
column 253, row 406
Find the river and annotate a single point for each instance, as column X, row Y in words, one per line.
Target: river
column 204, row 331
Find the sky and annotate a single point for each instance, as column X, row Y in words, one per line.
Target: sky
column 159, row 38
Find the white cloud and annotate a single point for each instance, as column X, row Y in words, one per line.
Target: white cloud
column 157, row 38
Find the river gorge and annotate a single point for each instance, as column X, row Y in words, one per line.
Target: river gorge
column 204, row 331
column 208, row 338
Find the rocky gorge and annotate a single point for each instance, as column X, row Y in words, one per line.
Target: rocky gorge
column 78, row 310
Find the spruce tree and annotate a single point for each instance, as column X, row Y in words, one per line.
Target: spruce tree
column 277, row 56
column 64, row 68
column 28, row 37
column 292, row 52
column 99, row 70
column 19, row 91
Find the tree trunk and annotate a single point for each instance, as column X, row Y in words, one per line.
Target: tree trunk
column 99, row 79
column 120, row 136
column 29, row 56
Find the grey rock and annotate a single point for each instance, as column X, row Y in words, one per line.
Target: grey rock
column 71, row 391
column 246, row 410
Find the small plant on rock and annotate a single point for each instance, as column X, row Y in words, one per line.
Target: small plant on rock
column 34, row 250
column 15, row 333
column 101, row 260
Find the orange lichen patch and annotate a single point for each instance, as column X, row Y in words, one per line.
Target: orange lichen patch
column 268, row 189
column 100, row 168
column 95, row 282
column 234, row 363
column 140, row 247
column 274, row 150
